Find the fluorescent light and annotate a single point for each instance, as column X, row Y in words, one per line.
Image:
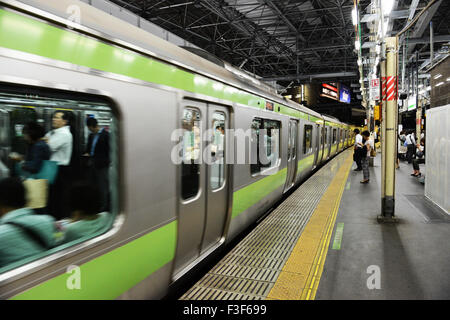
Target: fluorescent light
column 437, row 76
column 387, row 6
column 448, row 79
column 439, row 84
column 354, row 16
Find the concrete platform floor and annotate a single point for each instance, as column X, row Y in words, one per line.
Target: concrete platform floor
column 408, row 260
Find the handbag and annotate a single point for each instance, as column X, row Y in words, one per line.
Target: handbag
column 36, row 191
column 49, row 171
column 373, row 153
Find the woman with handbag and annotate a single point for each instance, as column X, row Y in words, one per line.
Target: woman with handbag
column 38, row 149
column 420, row 158
column 368, row 146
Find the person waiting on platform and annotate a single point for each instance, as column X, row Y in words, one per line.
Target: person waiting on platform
column 368, row 145
column 98, row 151
column 420, row 158
column 411, row 145
column 22, row 233
column 357, row 154
column 85, row 204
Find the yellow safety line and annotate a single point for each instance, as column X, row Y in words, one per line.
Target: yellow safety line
column 301, row 274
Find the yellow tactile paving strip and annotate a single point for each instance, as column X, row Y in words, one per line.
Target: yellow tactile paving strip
column 300, row 276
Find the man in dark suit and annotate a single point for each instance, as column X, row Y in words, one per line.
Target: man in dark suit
column 98, row 151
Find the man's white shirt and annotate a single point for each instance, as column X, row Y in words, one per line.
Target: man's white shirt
column 60, row 143
column 358, row 140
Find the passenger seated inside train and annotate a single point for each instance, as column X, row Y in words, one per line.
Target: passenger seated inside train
column 22, row 233
column 85, row 204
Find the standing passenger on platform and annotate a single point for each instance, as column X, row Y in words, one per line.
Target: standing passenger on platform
column 60, row 142
column 357, row 150
column 98, row 151
column 368, row 145
column 411, row 145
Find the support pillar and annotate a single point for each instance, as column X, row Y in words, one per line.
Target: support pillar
column 389, row 75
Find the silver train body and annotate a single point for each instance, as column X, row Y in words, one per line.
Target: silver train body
column 149, row 183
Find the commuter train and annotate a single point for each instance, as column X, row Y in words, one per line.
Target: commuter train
column 168, row 216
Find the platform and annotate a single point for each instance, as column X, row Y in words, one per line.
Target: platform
column 324, row 242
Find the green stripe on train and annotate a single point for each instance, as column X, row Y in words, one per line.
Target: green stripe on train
column 246, row 197
column 114, row 273
column 24, row 34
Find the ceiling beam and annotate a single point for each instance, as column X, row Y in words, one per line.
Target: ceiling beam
column 312, row 76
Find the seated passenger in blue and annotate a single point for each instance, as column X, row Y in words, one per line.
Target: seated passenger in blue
column 22, row 233
column 85, row 204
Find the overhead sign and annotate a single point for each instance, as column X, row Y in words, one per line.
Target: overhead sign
column 412, row 102
column 269, row 106
column 375, row 89
column 344, row 94
column 329, row 91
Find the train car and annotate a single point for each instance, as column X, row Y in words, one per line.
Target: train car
column 166, row 216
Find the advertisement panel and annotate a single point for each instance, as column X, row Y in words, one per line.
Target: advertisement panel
column 344, row 94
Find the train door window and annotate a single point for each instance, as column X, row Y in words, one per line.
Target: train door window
column 254, row 165
column 267, row 144
column 191, row 153
column 293, row 129
column 70, row 192
column 334, row 136
column 271, row 142
column 307, row 145
column 289, row 140
column 218, row 151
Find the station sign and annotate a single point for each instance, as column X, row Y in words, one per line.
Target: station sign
column 329, row 91
column 375, row 89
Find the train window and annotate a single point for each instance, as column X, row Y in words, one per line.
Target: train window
column 307, row 146
column 62, row 169
column 334, row 136
column 218, row 151
column 326, row 136
column 267, row 144
column 190, row 169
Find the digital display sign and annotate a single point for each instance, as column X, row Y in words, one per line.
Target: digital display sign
column 344, row 94
column 329, row 91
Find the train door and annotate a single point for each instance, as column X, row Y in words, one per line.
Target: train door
column 204, row 182
column 316, row 139
column 322, row 143
column 292, row 154
column 217, row 182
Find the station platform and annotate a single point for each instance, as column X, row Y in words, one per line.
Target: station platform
column 324, row 242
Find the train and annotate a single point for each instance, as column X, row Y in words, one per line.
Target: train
column 167, row 216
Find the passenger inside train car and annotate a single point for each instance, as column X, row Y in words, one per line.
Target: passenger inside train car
column 24, row 109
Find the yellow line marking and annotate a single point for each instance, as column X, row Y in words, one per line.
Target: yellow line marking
column 300, row 276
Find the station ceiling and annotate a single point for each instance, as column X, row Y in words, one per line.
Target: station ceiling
column 284, row 40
